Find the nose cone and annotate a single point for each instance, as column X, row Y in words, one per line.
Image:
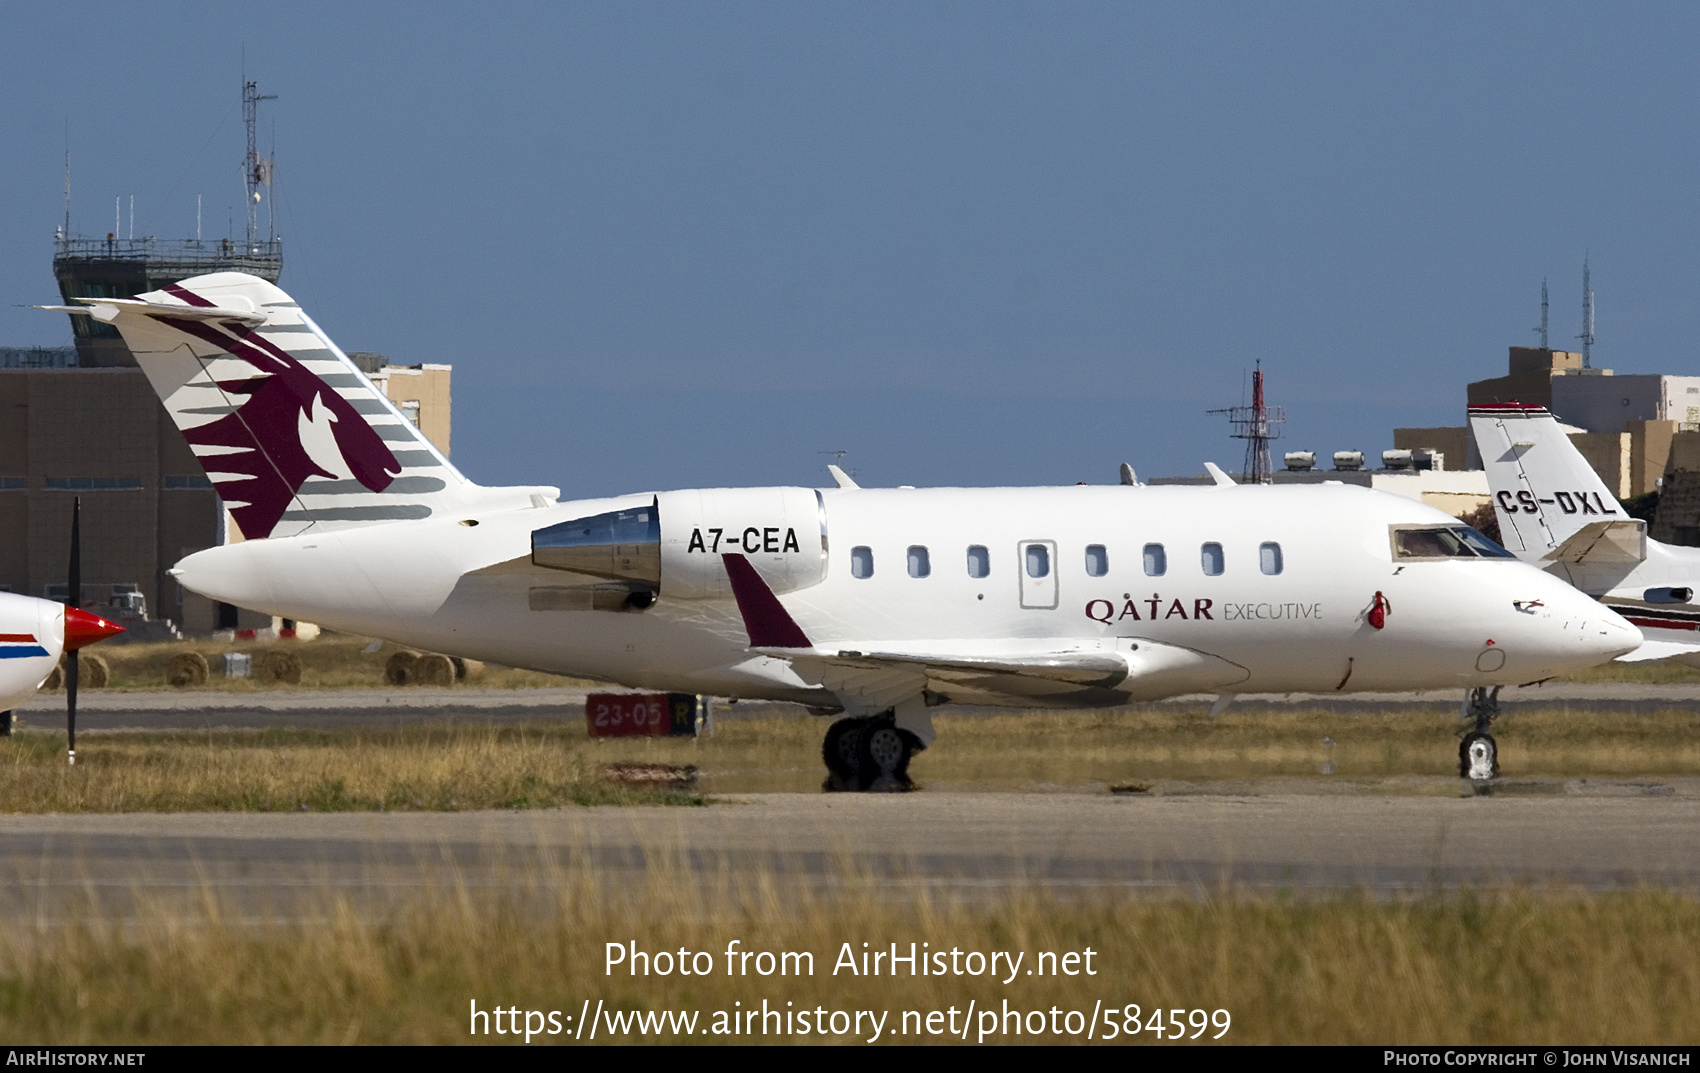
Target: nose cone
column 1609, row 635
column 82, row 628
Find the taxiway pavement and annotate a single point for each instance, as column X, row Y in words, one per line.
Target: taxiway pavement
column 1614, row 836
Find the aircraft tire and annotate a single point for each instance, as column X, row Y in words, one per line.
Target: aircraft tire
column 885, row 754
column 1464, row 753
column 841, row 751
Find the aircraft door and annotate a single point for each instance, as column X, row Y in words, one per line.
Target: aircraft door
column 1036, row 562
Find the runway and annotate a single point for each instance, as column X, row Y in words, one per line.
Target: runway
column 1613, row 836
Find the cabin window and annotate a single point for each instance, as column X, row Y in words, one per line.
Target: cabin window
column 1038, row 558
column 1156, row 561
column 919, row 563
column 1211, row 556
column 862, row 561
column 1097, row 560
column 979, row 560
column 1269, row 557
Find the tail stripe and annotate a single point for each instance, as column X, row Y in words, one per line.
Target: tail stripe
column 295, row 435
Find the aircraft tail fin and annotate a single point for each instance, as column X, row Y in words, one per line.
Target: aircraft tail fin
column 292, row 434
column 1544, row 491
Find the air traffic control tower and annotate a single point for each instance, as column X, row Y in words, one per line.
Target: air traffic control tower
column 83, row 422
column 116, row 267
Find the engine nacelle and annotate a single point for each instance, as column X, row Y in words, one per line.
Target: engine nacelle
column 781, row 531
column 675, row 545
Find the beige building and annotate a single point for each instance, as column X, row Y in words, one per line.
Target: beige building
column 1625, row 426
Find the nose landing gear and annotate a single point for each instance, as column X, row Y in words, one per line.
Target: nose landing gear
column 868, row 753
column 1478, row 753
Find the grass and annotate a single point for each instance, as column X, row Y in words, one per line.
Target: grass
column 469, row 765
column 431, row 767
column 331, row 661
column 1516, row 967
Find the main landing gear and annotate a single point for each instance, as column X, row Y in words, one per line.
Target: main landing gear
column 1478, row 753
column 868, row 753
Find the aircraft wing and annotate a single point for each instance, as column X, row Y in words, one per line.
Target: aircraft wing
column 1651, row 650
column 869, row 677
column 1623, row 540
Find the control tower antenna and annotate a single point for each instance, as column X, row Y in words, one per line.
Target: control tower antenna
column 1587, row 335
column 1543, row 328
column 1257, row 424
column 256, row 170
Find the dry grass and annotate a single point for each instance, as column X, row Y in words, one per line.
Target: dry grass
column 444, row 765
column 1088, row 751
column 1656, row 673
column 1478, row 969
column 331, row 661
column 421, row 767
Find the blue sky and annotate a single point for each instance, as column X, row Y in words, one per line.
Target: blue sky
column 670, row 245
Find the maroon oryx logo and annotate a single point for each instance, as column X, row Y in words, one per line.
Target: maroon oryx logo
column 257, row 483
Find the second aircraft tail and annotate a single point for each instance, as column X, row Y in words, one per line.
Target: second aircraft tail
column 1551, row 504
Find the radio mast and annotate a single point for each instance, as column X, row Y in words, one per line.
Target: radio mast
column 1256, row 424
column 1587, row 335
column 1542, row 330
column 256, row 171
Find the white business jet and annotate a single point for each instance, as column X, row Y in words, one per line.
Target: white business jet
column 874, row 604
column 1555, row 513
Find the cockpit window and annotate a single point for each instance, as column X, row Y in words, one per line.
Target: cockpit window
column 1445, row 542
column 1482, row 545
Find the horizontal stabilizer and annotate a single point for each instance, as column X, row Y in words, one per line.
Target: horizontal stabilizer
column 1622, row 540
column 1651, row 650
column 107, row 310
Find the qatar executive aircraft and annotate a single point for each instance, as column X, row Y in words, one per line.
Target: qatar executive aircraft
column 879, row 604
column 1554, row 512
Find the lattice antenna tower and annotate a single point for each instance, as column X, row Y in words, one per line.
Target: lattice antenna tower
column 1542, row 330
column 1256, row 424
column 1587, row 335
column 256, row 170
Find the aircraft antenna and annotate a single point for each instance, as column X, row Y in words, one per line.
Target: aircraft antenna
column 1257, row 424
column 1587, row 335
column 256, row 171
column 1543, row 328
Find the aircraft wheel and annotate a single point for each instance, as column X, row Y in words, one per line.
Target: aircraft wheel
column 1478, row 756
column 842, row 753
column 886, row 751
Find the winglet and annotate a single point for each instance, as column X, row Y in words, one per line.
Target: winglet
column 1217, row 475
column 765, row 618
column 841, row 478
